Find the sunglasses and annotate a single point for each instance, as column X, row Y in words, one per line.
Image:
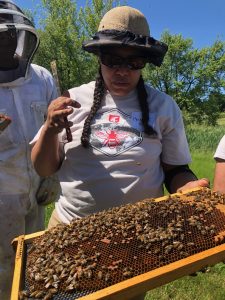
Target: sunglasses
column 116, row 61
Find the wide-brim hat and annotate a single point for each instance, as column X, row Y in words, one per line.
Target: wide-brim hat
column 126, row 26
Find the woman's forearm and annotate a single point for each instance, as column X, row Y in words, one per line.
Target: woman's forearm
column 45, row 154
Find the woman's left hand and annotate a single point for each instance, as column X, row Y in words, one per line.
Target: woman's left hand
column 203, row 182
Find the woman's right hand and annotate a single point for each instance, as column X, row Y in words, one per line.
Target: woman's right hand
column 58, row 111
column 47, row 160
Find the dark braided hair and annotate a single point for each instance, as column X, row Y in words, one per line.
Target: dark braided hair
column 98, row 95
column 142, row 98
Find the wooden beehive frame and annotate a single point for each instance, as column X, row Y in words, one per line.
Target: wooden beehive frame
column 136, row 285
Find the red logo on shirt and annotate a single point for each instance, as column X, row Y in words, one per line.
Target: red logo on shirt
column 112, row 134
column 111, row 138
column 114, row 118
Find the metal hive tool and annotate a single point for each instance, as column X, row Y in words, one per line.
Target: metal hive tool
column 101, row 250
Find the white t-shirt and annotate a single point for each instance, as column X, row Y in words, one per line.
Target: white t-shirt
column 122, row 164
column 220, row 151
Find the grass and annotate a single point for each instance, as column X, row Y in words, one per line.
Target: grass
column 204, row 138
column 204, row 286
column 48, row 211
column 203, row 164
column 221, row 120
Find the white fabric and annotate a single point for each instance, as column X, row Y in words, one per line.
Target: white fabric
column 26, row 104
column 220, row 151
column 123, row 164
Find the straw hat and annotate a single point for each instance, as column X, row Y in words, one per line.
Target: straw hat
column 126, row 26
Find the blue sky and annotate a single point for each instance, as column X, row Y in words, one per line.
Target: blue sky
column 201, row 20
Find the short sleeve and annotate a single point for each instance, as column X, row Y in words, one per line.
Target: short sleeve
column 220, row 151
column 175, row 149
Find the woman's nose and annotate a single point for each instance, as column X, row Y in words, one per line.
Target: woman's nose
column 122, row 70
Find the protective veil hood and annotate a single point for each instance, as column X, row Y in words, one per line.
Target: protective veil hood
column 16, row 25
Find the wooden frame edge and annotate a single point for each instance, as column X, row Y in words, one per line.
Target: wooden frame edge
column 160, row 276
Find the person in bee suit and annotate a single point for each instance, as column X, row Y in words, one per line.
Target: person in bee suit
column 25, row 92
column 128, row 138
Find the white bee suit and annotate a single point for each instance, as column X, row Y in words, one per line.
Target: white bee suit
column 26, row 104
column 25, row 92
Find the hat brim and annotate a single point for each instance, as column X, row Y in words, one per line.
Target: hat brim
column 153, row 50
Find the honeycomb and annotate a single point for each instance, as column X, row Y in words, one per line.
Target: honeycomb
column 89, row 254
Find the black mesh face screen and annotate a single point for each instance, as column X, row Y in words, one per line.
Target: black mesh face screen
column 26, row 43
column 10, row 6
column 23, row 45
column 18, row 44
column 6, row 18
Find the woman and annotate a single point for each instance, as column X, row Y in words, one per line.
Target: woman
column 128, row 138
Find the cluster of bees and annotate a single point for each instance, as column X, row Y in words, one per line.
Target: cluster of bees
column 113, row 245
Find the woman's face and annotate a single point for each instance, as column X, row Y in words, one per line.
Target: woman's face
column 119, row 77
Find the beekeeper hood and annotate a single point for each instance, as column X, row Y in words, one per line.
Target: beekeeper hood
column 18, row 43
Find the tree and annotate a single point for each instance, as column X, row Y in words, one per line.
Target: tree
column 195, row 78
column 63, row 31
column 191, row 76
column 220, row 100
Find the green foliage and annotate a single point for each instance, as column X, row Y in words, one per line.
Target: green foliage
column 205, row 112
column 194, row 78
column 220, row 100
column 64, row 28
column 204, row 138
column 60, row 41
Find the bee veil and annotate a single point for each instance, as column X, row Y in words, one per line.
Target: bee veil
column 18, row 42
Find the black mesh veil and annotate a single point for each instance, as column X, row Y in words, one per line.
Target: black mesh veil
column 7, row 4
column 18, row 39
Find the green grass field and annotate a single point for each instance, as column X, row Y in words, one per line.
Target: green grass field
column 203, row 164
column 211, row 285
column 205, row 286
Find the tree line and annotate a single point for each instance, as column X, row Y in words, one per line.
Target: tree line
column 195, row 78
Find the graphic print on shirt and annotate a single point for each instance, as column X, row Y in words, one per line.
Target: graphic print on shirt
column 112, row 133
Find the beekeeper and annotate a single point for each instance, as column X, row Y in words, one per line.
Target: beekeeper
column 25, row 92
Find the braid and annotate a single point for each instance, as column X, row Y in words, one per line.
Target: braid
column 142, row 97
column 98, row 95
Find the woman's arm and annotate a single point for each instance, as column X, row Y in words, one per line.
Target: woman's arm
column 47, row 154
column 219, row 176
column 180, row 178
